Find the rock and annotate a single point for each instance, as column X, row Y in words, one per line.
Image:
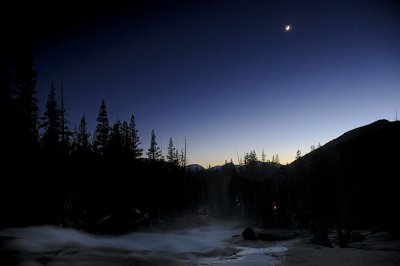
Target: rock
column 249, row 234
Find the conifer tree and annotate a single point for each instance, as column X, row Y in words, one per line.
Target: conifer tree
column 26, row 115
column 171, row 153
column 116, row 138
column 137, row 152
column 126, row 139
column 65, row 133
column 263, row 156
column 101, row 132
column 82, row 136
column 154, row 152
column 183, row 156
column 50, row 124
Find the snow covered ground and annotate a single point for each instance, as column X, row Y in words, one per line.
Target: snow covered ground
column 216, row 244
column 378, row 249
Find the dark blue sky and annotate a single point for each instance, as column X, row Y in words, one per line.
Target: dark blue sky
column 225, row 74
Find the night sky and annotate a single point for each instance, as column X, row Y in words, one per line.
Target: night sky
column 225, row 74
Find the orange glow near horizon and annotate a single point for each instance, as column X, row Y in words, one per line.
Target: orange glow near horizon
column 206, row 162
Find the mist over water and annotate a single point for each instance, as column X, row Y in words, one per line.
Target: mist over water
column 214, row 244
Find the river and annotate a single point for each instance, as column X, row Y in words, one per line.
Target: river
column 214, row 244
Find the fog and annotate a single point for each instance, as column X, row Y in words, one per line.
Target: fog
column 218, row 243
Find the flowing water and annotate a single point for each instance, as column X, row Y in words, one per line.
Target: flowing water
column 214, row 244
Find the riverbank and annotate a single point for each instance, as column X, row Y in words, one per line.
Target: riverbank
column 376, row 249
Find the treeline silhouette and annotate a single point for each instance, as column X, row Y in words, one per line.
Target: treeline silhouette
column 105, row 182
column 97, row 182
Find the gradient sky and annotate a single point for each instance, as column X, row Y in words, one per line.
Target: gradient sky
column 225, row 74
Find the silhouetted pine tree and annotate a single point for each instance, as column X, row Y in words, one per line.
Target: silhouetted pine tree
column 116, row 139
column 26, row 117
column 276, row 159
column 82, row 137
column 101, row 132
column 51, row 123
column 74, row 139
column 137, row 152
column 126, row 139
column 171, row 153
column 154, row 152
column 183, row 156
column 263, row 156
column 65, row 133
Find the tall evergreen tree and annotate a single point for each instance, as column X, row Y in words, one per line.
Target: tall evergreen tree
column 263, row 156
column 50, row 124
column 65, row 133
column 116, row 138
column 154, row 152
column 82, row 136
column 137, row 152
column 26, row 103
column 171, row 153
column 126, row 139
column 183, row 156
column 101, row 132
column 275, row 159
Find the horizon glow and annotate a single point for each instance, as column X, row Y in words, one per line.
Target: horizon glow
column 232, row 81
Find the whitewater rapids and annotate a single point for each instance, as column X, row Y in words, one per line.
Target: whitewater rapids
column 214, row 244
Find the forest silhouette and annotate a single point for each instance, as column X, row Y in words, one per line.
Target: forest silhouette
column 105, row 182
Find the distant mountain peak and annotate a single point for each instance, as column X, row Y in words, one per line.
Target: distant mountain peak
column 380, row 121
column 194, row 167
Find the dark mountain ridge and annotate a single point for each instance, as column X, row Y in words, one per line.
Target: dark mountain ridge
column 352, row 180
column 378, row 132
